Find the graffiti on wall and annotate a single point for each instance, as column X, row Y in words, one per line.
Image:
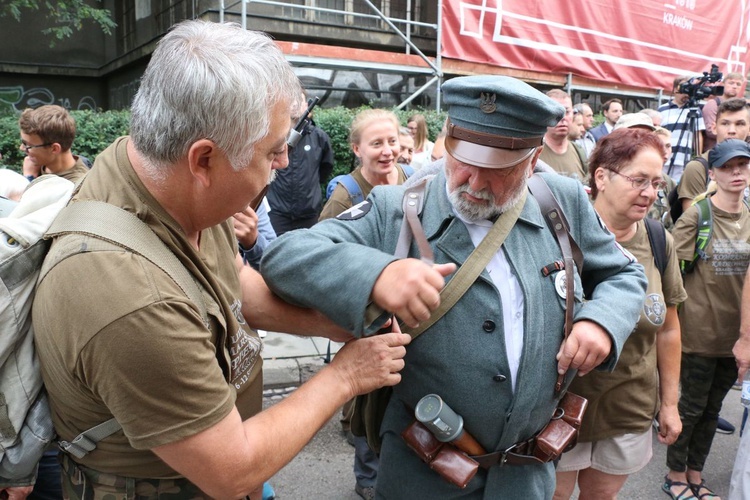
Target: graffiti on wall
column 16, row 98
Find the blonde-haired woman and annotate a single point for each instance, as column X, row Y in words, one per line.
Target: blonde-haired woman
column 417, row 126
column 375, row 143
column 374, row 137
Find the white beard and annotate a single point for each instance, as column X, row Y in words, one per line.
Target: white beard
column 474, row 211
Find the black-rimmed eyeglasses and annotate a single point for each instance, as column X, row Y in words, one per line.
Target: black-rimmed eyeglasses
column 26, row 146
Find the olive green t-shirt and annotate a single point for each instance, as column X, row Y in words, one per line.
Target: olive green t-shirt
column 340, row 200
column 710, row 318
column 568, row 163
column 74, row 173
column 624, row 401
column 694, row 179
column 117, row 337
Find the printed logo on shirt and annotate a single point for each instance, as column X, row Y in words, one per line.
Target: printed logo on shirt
column 655, row 309
column 356, row 212
column 730, row 257
column 244, row 349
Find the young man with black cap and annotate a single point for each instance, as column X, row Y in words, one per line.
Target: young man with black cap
column 495, row 355
column 710, row 317
column 732, row 121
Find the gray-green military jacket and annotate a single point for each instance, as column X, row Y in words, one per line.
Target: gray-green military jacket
column 333, row 267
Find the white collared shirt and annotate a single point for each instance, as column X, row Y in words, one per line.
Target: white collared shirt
column 511, row 295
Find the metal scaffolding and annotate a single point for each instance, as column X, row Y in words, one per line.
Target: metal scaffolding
column 403, row 28
column 433, row 69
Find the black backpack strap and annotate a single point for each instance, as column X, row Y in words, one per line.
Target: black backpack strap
column 657, row 238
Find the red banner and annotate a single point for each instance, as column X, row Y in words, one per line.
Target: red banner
column 643, row 43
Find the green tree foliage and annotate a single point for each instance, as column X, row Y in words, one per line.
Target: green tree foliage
column 66, row 16
column 336, row 122
column 9, row 142
column 97, row 130
column 434, row 119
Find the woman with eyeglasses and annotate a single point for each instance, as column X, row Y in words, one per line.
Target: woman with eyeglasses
column 615, row 437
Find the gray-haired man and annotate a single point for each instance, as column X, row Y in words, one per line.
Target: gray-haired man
column 117, row 337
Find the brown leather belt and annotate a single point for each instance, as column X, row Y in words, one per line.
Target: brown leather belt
column 518, row 454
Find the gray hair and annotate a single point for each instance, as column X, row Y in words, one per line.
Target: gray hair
column 209, row 81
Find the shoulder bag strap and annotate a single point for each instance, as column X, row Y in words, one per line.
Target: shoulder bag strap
column 122, row 228
column 110, row 223
column 85, row 442
column 411, row 228
column 555, row 217
column 657, row 239
column 556, row 220
column 703, row 235
column 473, row 266
column 351, row 186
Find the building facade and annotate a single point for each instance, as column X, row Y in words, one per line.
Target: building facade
column 348, row 52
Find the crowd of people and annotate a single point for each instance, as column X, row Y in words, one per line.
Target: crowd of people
column 647, row 327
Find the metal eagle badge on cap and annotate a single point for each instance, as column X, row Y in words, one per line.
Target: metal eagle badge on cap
column 488, row 102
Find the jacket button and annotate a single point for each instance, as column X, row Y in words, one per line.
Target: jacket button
column 488, row 326
column 499, row 378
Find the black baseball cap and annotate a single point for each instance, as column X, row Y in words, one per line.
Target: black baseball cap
column 726, row 150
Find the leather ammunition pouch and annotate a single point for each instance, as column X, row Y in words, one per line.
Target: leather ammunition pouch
column 452, row 464
column 456, row 467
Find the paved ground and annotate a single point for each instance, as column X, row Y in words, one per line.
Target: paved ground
column 323, row 469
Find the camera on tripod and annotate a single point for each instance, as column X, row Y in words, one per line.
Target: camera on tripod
column 697, row 88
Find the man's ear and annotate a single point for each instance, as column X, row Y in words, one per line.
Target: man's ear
column 203, row 159
column 534, row 159
column 56, row 148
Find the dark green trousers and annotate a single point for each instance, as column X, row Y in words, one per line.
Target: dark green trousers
column 704, row 382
